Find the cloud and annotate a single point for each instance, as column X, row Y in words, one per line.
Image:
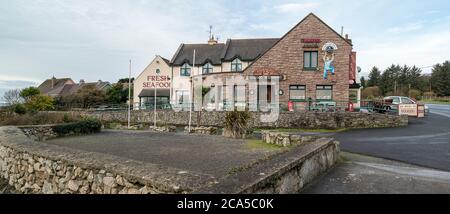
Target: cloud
column 296, row 7
column 421, row 50
column 406, row 28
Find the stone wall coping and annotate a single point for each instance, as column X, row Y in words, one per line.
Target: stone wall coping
column 248, row 181
column 162, row 178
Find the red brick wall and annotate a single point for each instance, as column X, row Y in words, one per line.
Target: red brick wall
column 286, row 57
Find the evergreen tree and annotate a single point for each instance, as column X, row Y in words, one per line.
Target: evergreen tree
column 363, row 82
column 440, row 79
column 374, row 77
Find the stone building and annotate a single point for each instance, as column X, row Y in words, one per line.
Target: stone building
column 267, row 72
column 272, row 72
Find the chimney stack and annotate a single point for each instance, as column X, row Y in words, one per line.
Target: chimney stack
column 82, row 81
column 212, row 41
column 53, row 81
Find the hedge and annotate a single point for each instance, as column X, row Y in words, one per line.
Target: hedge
column 86, row 126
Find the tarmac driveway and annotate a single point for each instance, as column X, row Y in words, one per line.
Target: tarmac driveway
column 425, row 142
column 214, row 155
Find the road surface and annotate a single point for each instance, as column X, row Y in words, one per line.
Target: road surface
column 425, row 142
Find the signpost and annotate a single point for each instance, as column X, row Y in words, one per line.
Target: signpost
column 413, row 110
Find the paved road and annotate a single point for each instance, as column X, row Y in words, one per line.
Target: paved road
column 425, row 142
column 358, row 174
column 443, row 110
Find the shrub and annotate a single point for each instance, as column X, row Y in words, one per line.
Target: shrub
column 370, row 92
column 236, row 124
column 413, row 93
column 40, row 103
column 19, row 109
column 86, row 126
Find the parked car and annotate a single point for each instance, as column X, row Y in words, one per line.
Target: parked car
column 396, row 100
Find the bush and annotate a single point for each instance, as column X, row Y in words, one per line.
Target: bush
column 38, row 118
column 413, row 93
column 370, row 92
column 87, row 126
column 40, row 103
column 19, row 109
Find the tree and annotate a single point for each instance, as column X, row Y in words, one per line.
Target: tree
column 89, row 96
column 126, row 80
column 374, row 77
column 29, row 92
column 440, row 79
column 40, row 103
column 370, row 92
column 363, row 82
column 12, row 97
column 388, row 82
column 117, row 94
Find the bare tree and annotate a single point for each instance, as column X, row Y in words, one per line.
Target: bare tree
column 12, row 97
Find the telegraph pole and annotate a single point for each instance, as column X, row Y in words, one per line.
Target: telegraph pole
column 129, row 97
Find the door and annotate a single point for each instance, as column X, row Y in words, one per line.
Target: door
column 264, row 97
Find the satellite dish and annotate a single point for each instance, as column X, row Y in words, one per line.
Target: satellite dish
column 359, row 69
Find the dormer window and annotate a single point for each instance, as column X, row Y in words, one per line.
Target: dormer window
column 185, row 70
column 207, row 68
column 236, row 65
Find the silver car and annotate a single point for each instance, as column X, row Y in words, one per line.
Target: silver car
column 396, row 100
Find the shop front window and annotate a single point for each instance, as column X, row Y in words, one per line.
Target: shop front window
column 353, row 95
column 182, row 97
column 324, row 92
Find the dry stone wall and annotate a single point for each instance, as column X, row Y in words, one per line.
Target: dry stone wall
column 307, row 120
column 34, row 167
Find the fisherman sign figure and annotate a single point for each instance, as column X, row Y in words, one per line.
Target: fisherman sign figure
column 328, row 58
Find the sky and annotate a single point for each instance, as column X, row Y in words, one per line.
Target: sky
column 95, row 39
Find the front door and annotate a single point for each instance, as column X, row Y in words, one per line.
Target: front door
column 264, row 97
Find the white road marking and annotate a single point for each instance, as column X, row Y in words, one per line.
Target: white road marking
column 410, row 171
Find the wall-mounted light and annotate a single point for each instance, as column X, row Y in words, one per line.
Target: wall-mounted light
column 281, row 92
column 252, row 92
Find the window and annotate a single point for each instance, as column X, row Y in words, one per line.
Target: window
column 236, row 65
column 185, row 70
column 239, row 93
column 353, row 95
column 207, row 68
column 310, row 60
column 182, row 97
column 297, row 92
column 407, row 101
column 324, row 92
column 395, row 100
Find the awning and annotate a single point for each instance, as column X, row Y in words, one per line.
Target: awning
column 151, row 93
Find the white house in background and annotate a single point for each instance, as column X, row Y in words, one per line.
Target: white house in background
column 156, row 76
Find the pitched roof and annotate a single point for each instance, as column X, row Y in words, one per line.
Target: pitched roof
column 203, row 53
column 247, row 49
column 53, row 86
